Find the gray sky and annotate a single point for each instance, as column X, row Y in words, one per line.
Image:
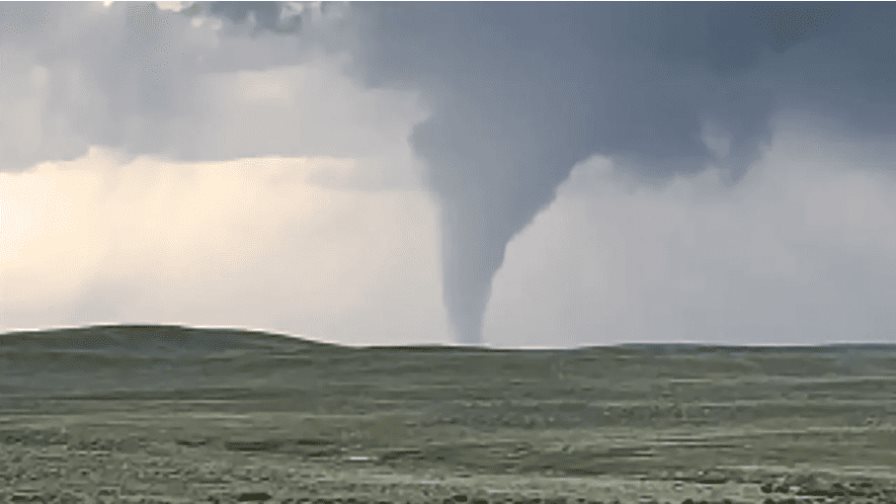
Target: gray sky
column 520, row 174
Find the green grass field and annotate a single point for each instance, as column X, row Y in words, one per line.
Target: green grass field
column 168, row 414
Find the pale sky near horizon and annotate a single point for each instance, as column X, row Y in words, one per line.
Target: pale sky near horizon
column 319, row 172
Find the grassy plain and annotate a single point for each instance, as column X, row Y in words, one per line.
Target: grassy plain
column 169, row 414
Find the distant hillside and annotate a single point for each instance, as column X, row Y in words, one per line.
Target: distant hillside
column 172, row 341
column 101, row 359
column 118, row 358
column 152, row 340
column 241, row 413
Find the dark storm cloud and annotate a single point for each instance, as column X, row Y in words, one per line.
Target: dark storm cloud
column 522, row 92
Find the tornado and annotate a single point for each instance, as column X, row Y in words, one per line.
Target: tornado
column 521, row 93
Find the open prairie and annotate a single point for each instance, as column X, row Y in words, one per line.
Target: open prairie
column 169, row 414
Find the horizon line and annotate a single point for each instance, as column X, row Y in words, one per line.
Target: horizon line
column 634, row 344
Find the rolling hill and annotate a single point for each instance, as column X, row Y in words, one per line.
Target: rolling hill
column 176, row 414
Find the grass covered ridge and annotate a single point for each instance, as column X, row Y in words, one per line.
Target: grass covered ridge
column 172, row 414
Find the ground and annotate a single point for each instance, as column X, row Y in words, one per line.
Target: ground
column 168, row 414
